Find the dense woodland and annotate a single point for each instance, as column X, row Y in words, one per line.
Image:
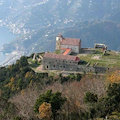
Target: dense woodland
column 27, row 95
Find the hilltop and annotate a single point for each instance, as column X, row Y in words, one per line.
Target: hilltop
column 70, row 56
column 110, row 60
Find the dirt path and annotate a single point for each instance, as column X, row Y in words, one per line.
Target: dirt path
column 39, row 68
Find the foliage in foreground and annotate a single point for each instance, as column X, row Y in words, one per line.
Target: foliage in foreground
column 18, row 76
column 45, row 111
column 105, row 106
column 7, row 110
column 54, row 99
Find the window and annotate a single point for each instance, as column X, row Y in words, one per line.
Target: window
column 47, row 66
column 63, row 66
column 53, row 65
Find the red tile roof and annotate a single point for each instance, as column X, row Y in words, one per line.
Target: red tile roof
column 67, row 51
column 60, row 56
column 70, row 41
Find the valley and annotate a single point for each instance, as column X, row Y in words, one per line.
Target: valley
column 90, row 21
column 5, row 37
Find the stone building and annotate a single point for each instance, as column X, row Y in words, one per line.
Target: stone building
column 100, row 46
column 68, row 43
column 53, row 61
column 62, row 62
column 66, row 62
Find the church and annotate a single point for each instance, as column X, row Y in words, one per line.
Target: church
column 71, row 45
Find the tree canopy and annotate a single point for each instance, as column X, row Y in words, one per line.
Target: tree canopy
column 55, row 99
column 90, row 97
column 45, row 111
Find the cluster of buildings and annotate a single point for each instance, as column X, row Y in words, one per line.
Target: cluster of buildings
column 65, row 61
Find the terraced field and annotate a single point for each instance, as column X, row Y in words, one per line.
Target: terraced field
column 112, row 59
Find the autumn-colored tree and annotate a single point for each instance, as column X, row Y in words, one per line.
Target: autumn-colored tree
column 11, row 84
column 45, row 111
column 114, row 77
column 55, row 99
column 29, row 75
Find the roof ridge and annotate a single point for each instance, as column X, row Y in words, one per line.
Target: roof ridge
column 60, row 56
column 70, row 41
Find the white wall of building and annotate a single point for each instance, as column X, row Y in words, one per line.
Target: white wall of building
column 74, row 49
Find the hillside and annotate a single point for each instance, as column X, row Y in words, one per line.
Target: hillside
column 20, row 88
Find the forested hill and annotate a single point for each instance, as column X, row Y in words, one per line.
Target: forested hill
column 27, row 95
column 39, row 22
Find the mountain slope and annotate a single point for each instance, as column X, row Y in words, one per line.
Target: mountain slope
column 39, row 22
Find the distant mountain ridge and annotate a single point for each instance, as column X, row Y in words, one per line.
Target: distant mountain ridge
column 39, row 22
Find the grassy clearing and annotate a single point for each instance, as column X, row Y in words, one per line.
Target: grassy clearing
column 33, row 64
column 111, row 60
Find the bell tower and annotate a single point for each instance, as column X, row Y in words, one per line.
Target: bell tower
column 58, row 41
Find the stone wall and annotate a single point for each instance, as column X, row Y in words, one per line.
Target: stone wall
column 87, row 51
column 66, row 65
column 101, row 69
column 55, row 64
column 97, row 69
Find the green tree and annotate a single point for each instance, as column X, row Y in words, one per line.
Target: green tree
column 55, row 99
column 79, row 76
column 90, row 97
column 24, row 70
column 102, row 108
column 23, row 61
column 113, row 92
column 105, row 105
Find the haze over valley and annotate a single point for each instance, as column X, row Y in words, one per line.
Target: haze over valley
column 37, row 23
